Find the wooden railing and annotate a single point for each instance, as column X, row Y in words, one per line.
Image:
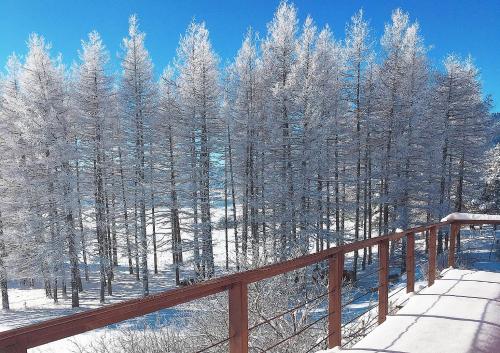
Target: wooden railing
column 21, row 339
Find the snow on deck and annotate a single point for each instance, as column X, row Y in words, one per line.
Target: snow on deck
column 459, row 313
column 458, row 216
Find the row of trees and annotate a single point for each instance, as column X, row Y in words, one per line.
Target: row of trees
column 306, row 140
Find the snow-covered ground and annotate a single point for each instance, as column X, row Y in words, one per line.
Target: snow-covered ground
column 30, row 305
column 459, row 313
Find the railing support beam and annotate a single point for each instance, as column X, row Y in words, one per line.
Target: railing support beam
column 335, row 272
column 410, row 262
column 383, row 288
column 432, row 255
column 455, row 228
column 238, row 318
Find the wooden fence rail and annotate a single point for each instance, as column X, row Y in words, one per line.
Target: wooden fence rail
column 21, row 339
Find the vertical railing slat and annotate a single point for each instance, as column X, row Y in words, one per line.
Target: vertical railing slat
column 335, row 273
column 453, row 239
column 432, row 255
column 383, row 288
column 238, row 318
column 410, row 262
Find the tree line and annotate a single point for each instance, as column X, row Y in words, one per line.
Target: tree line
column 306, row 141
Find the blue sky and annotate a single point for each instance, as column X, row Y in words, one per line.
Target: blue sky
column 449, row 26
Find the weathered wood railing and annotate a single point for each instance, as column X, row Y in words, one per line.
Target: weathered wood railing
column 21, row 339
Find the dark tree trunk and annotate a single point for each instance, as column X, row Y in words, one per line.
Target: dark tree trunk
column 125, row 213
column 3, row 269
column 174, row 212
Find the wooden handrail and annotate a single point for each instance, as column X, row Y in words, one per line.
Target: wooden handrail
column 20, row 339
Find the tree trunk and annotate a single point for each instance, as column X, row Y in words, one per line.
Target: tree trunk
column 337, row 192
column 3, row 269
column 233, row 199
column 80, row 223
column 71, row 240
column 174, row 212
column 136, row 237
column 194, row 198
column 206, row 225
column 370, row 226
column 460, row 188
column 226, row 235
column 108, row 247
column 125, row 212
column 358, row 167
column 114, row 241
column 153, row 221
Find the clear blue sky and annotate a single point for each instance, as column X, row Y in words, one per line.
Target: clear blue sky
column 458, row 26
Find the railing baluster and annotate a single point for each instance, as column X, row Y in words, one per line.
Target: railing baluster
column 238, row 318
column 432, row 255
column 451, row 249
column 335, row 272
column 410, row 262
column 383, row 288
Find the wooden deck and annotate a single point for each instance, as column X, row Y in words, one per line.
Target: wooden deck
column 460, row 313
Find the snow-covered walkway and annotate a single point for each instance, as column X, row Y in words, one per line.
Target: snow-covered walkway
column 459, row 313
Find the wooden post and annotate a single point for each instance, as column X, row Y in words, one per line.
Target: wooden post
column 238, row 318
column 383, row 288
column 432, row 255
column 451, row 249
column 410, row 262
column 335, row 272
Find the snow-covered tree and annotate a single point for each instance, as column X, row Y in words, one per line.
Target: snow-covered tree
column 359, row 56
column 199, row 98
column 92, row 96
column 278, row 58
column 168, row 125
column 138, row 96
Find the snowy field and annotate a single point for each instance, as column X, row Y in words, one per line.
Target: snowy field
column 30, row 305
column 33, row 302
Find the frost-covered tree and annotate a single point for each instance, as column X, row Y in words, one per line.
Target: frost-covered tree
column 199, row 98
column 491, row 194
column 168, row 125
column 92, row 96
column 47, row 140
column 463, row 118
column 245, row 104
column 359, row 56
column 278, row 58
column 303, row 109
column 138, row 98
column 10, row 185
